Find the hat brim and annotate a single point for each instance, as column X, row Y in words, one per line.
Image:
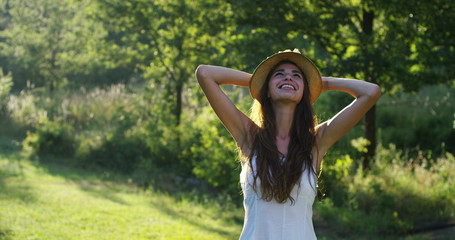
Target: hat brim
column 310, row 71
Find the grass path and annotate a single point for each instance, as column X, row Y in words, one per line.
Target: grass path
column 55, row 202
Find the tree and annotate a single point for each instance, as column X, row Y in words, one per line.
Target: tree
column 49, row 41
column 392, row 43
column 168, row 39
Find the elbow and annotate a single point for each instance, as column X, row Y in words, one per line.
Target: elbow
column 201, row 73
column 375, row 92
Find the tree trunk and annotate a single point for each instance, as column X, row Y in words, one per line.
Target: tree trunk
column 369, row 120
column 178, row 108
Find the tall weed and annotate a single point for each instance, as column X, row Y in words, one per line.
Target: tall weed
column 398, row 194
column 94, row 127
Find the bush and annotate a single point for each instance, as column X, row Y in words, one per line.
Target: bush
column 398, row 193
column 113, row 140
column 424, row 119
column 97, row 127
column 116, row 152
column 50, row 138
column 6, row 82
column 215, row 154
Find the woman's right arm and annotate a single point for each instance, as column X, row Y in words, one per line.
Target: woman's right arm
column 210, row 78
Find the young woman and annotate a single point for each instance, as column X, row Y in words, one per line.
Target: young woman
column 281, row 146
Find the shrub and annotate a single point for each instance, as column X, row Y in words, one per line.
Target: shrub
column 398, row 193
column 26, row 109
column 50, row 138
column 215, row 154
column 6, row 82
column 113, row 140
column 116, row 152
column 424, row 119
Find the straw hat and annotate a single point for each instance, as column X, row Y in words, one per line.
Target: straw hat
column 310, row 71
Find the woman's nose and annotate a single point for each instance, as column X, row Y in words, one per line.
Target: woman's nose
column 288, row 77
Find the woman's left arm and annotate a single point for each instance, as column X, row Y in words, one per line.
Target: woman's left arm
column 366, row 94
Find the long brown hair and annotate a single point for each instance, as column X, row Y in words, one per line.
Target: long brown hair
column 278, row 177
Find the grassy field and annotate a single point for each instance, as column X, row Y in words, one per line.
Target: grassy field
column 52, row 201
column 56, row 202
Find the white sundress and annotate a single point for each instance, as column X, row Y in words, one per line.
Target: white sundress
column 277, row 221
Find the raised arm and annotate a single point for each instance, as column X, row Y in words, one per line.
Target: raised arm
column 210, row 78
column 330, row 131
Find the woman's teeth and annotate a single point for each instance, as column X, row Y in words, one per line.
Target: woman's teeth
column 287, row 86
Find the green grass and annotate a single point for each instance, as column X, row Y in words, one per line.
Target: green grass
column 49, row 201
column 46, row 200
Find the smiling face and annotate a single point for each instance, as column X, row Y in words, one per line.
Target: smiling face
column 286, row 83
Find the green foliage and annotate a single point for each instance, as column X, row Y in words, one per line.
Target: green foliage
column 391, row 43
column 166, row 133
column 123, row 129
column 50, row 138
column 5, row 86
column 340, row 168
column 54, row 44
column 360, row 144
column 116, row 152
column 167, row 40
column 109, row 137
column 335, row 167
column 100, row 122
column 423, row 119
column 347, row 223
column 23, row 109
column 214, row 153
column 399, row 193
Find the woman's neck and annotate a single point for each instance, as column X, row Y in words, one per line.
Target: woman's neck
column 284, row 116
